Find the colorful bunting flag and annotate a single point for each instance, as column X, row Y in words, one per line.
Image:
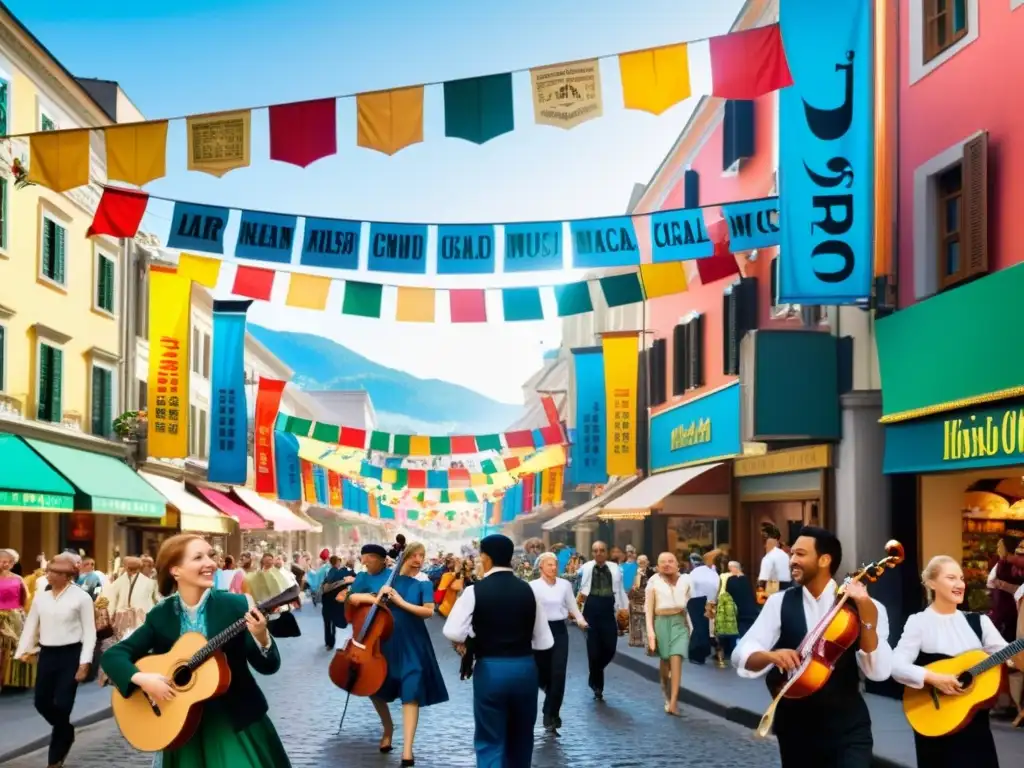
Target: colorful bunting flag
column 253, row 283
column 415, row 305
column 308, row 291
column 624, row 289
column 390, row 121
column 655, row 79
column 749, row 63
column 362, row 299
column 419, row 445
column 566, row 95
column 478, row 109
column 219, row 143
column 663, row 279
column 303, row 132
column 59, row 160
column 521, row 304
column 119, row 213
column 398, row 248
column 468, row 305
column 573, row 298
column 723, row 264
column 199, row 269
column 137, row 152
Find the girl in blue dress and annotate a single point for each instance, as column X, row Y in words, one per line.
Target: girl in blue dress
column 414, row 677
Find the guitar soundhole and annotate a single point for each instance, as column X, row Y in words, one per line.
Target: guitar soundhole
column 182, row 677
column 966, row 680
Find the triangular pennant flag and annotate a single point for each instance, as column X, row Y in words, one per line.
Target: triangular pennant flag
column 199, row 269
column 119, row 213
column 137, row 153
column 389, row 121
column 308, row 291
column 415, row 305
column 219, row 143
column 303, row 132
column 748, row 64
column 362, row 299
column 478, row 109
column 59, row 160
column 663, row 279
column 655, row 79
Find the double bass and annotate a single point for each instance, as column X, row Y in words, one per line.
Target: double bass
column 821, row 649
column 360, row 668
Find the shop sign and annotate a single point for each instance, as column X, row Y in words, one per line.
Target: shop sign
column 28, row 501
column 127, row 507
column 781, row 462
column 966, row 439
column 698, row 431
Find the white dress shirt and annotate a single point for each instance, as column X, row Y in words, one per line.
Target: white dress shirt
column 765, row 632
column 775, row 566
column 459, row 625
column 557, row 599
column 932, row 632
column 705, row 582
column 63, row 620
column 664, row 597
column 587, row 574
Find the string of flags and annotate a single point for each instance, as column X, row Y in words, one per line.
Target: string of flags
column 743, row 65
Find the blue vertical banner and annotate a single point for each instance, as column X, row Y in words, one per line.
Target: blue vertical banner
column 229, row 412
column 323, row 493
column 826, row 152
column 589, row 460
column 286, row 466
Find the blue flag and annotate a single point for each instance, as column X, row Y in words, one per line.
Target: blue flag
column 753, row 224
column 229, row 412
column 465, row 249
column 680, row 235
column 533, row 247
column 607, row 242
column 198, row 228
column 589, row 454
column 286, row 465
column 400, row 248
column 266, row 237
column 331, row 243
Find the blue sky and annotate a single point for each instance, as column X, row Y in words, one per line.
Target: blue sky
column 187, row 56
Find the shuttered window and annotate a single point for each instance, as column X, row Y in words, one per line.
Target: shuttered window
column 679, row 359
column 46, row 123
column 962, row 205
column 195, row 350
column 5, row 91
column 774, row 298
column 102, row 401
column 53, row 251
column 50, row 387
column 206, row 356
column 688, row 355
column 104, row 282
column 659, row 362
column 4, row 215
column 739, row 316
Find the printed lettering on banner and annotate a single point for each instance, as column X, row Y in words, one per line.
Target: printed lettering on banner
column 565, row 95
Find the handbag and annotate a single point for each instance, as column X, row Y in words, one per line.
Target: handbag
column 104, row 628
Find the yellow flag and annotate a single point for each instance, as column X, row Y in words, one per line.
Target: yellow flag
column 419, row 445
column 168, row 391
column 59, row 160
column 415, row 305
column 199, row 269
column 663, row 279
column 390, row 121
column 621, row 369
column 551, row 485
column 137, row 154
column 389, row 476
column 565, row 95
column 655, row 79
column 308, row 291
column 219, row 143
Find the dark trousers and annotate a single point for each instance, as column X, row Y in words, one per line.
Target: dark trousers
column 56, row 689
column 816, row 734
column 329, row 630
column 700, row 636
column 602, row 637
column 505, row 711
column 551, row 666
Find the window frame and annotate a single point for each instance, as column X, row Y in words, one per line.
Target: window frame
column 920, row 64
column 929, row 13
column 944, row 236
column 5, row 210
column 6, row 82
column 48, row 342
column 48, row 216
column 112, row 370
column 99, row 255
column 44, row 118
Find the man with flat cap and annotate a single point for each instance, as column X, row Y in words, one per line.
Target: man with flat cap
column 507, row 623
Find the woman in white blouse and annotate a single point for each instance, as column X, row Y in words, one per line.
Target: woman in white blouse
column 555, row 595
column 942, row 631
column 668, row 625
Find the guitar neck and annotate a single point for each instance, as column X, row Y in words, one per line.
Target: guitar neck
column 1000, row 657
column 219, row 640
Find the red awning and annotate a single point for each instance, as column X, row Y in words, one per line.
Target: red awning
column 246, row 518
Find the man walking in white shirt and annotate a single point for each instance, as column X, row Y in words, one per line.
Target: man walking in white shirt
column 62, row 625
column 704, row 585
column 774, row 576
column 603, row 598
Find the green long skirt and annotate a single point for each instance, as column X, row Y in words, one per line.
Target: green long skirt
column 217, row 745
column 673, row 635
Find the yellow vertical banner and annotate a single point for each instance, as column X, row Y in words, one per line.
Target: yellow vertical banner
column 621, row 371
column 551, row 485
column 374, row 508
column 308, row 482
column 170, row 299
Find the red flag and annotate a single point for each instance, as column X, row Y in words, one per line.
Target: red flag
column 550, row 410
column 254, row 283
column 119, row 213
column 528, row 502
column 268, row 401
column 468, row 305
column 352, row 437
column 521, row 438
column 748, row 64
column 723, row 263
column 463, row 444
column 417, row 478
column 303, row 132
column 334, row 492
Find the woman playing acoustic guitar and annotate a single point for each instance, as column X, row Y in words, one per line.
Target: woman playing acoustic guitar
column 942, row 631
column 235, row 731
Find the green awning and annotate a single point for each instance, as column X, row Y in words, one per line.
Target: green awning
column 958, row 349
column 29, row 484
column 104, row 485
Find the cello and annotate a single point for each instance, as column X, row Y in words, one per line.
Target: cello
column 820, row 650
column 360, row 668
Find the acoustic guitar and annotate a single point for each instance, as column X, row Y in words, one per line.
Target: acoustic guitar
column 933, row 713
column 198, row 672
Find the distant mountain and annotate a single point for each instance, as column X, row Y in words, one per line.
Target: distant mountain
column 404, row 403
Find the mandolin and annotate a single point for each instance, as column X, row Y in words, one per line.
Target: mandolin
column 198, row 672
column 933, row 713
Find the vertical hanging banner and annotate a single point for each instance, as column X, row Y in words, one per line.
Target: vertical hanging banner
column 308, row 485
column 320, row 487
column 527, row 486
column 334, row 495
column 229, row 417
column 170, row 311
column 621, row 375
column 268, row 401
column 826, row 156
column 551, row 492
column 589, row 459
column 286, row 461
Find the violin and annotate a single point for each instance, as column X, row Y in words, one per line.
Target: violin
column 823, row 646
column 360, row 668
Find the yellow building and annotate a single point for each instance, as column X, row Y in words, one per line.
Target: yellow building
column 61, row 308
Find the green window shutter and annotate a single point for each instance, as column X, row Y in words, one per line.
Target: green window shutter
column 46, row 123
column 47, row 255
column 43, row 387
column 108, row 294
column 3, row 213
column 108, row 404
column 5, row 89
column 97, row 401
column 58, row 256
column 56, row 384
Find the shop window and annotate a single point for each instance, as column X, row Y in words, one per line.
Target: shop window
column 945, row 24
column 961, row 205
column 658, row 359
column 102, row 401
column 52, row 254
column 51, row 384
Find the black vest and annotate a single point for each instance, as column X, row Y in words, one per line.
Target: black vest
column 503, row 618
column 840, row 697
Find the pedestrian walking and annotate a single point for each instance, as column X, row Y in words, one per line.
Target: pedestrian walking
column 668, row 627
column 508, row 624
column 704, row 586
column 555, row 595
column 604, row 599
column 62, row 625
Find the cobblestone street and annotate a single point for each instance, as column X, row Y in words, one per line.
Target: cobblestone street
column 628, row 729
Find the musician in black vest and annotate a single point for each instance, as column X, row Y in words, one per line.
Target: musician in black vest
column 831, row 728
column 507, row 623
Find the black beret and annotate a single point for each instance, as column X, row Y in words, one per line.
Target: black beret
column 374, row 549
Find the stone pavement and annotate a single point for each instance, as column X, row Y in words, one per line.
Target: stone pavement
column 629, row 729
